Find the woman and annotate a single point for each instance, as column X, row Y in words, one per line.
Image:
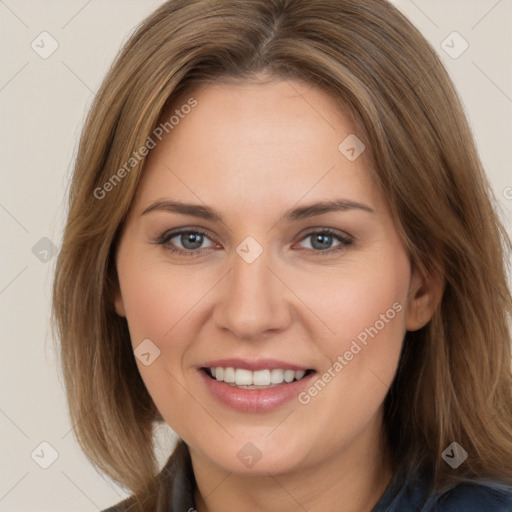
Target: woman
column 281, row 242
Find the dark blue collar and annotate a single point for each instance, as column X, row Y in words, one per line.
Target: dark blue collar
column 405, row 492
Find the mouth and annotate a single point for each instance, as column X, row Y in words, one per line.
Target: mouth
column 242, row 378
column 254, row 385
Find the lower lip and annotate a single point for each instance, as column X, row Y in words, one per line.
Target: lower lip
column 255, row 400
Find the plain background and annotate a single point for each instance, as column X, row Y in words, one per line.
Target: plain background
column 43, row 104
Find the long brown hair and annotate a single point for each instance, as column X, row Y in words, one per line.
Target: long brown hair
column 454, row 381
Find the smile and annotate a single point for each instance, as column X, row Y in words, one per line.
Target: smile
column 244, row 394
column 260, row 379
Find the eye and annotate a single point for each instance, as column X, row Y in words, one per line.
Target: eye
column 322, row 240
column 189, row 241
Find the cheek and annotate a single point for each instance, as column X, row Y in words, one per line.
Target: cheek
column 372, row 310
column 367, row 311
column 159, row 304
column 373, row 319
column 364, row 299
column 157, row 297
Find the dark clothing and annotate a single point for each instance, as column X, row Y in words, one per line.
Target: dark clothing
column 403, row 494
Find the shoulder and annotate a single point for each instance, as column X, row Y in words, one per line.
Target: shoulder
column 413, row 492
column 474, row 497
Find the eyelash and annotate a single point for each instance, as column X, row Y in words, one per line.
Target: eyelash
column 163, row 240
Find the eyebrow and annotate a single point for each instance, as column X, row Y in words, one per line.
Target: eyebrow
column 292, row 215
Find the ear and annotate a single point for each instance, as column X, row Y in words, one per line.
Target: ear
column 119, row 304
column 425, row 294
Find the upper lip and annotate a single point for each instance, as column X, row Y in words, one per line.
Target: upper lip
column 253, row 365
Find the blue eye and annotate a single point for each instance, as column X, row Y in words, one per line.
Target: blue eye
column 191, row 240
column 323, row 238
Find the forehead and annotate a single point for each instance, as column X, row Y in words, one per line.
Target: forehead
column 257, row 142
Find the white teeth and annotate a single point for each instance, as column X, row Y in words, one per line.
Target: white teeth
column 229, row 375
column 276, row 376
column 242, row 377
column 299, row 374
column 289, row 375
column 261, row 378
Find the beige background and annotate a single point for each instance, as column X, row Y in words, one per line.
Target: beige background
column 43, row 103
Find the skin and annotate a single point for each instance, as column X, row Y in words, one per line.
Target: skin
column 251, row 151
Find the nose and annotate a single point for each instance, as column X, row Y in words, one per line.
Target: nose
column 253, row 300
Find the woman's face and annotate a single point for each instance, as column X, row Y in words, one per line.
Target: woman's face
column 281, row 255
